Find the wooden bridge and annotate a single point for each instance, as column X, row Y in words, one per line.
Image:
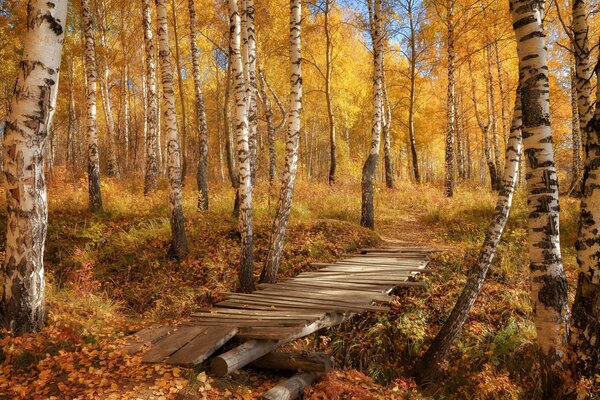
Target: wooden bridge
column 279, row 313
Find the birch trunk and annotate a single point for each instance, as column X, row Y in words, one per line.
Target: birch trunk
column 411, row 105
column 502, row 93
column 370, row 166
column 437, row 352
column 112, row 168
column 585, row 330
column 328, row 97
column 73, row 119
column 269, row 272
column 575, row 138
column 151, row 176
column 184, row 135
column 93, row 157
column 548, row 282
column 387, row 138
column 201, row 176
column 179, row 248
column 251, row 86
column 31, row 112
column 494, row 114
column 450, row 104
column 271, row 128
column 246, row 283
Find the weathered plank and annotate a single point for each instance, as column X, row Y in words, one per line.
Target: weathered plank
column 279, row 304
column 202, row 346
column 146, row 337
column 292, row 388
column 304, row 361
column 310, row 298
column 171, row 343
column 251, row 350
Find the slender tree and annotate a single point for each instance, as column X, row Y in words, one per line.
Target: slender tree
column 201, row 176
column 112, row 168
column 271, row 128
column 269, row 272
column 548, row 282
column 151, row 177
column 387, row 138
column 246, row 283
column 370, row 166
column 249, row 35
column 329, row 4
column 27, row 128
column 575, row 137
column 179, row 248
column 93, row 157
column 585, row 329
column 450, row 101
column 437, row 351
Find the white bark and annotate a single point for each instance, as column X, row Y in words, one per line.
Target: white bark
column 292, row 145
column 179, row 247
column 244, row 157
column 151, row 177
column 27, row 128
column 548, row 282
column 251, row 85
column 93, row 158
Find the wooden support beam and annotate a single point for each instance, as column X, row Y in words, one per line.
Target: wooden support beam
column 305, row 361
column 251, row 350
column 292, row 388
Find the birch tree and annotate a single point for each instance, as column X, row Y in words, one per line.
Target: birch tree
column 450, row 103
column 151, row 176
column 251, row 86
column 370, row 166
column 201, row 176
column 32, row 109
column 585, row 329
column 179, row 248
column 272, row 129
column 328, row 4
column 428, row 366
column 246, row 283
column 93, row 157
column 269, row 272
column 387, row 137
column 548, row 282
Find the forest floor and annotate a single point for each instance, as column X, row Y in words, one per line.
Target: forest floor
column 108, row 275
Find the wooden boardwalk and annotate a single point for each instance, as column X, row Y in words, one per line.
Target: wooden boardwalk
column 279, row 313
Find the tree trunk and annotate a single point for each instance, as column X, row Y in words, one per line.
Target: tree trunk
column 201, row 176
column 548, row 282
column 575, row 138
column 184, row 135
column 585, row 330
column 269, row 272
column 271, row 128
column 450, row 104
column 73, row 119
column 179, row 248
column 328, row 70
column 494, row 115
column 151, row 177
column 502, row 93
column 460, row 157
column 28, row 124
column 126, row 116
column 246, row 283
column 485, row 131
column 370, row 166
column 93, row 157
column 427, row 368
column 387, row 139
column 251, row 87
column 105, row 94
column 411, row 105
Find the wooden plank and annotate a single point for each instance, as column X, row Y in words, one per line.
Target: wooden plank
column 251, row 350
column 377, row 289
column 317, row 305
column 146, row 337
column 171, row 343
column 202, row 346
column 303, row 361
column 208, row 316
column 292, row 388
column 323, row 293
column 246, row 322
column 347, row 297
column 270, row 313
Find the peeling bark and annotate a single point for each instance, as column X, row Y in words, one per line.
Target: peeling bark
column 32, row 108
